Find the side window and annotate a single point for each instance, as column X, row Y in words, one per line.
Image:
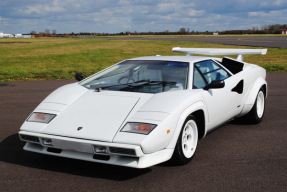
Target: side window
column 198, row 81
column 212, row 71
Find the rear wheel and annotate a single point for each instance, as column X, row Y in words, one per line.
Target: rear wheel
column 257, row 112
column 186, row 143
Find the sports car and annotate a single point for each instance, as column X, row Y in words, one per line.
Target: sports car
column 148, row 110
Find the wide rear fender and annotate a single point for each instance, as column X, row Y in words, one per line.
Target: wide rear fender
column 260, row 81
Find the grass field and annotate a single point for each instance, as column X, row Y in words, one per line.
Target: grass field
column 182, row 36
column 50, row 58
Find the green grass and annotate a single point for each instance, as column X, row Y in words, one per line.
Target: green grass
column 178, row 36
column 49, row 58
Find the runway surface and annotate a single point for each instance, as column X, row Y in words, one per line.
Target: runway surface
column 235, row 157
column 268, row 42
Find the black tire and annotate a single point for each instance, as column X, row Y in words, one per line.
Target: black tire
column 256, row 114
column 186, row 142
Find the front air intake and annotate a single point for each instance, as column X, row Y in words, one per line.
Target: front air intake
column 29, row 138
column 122, row 151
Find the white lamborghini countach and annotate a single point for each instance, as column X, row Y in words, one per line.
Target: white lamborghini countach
column 148, row 110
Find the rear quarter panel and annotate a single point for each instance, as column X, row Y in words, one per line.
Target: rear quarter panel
column 254, row 78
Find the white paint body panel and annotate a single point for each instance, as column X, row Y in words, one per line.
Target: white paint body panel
column 102, row 115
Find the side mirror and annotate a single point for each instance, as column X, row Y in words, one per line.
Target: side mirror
column 79, row 76
column 216, row 84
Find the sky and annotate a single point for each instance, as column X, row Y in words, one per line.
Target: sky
column 115, row 16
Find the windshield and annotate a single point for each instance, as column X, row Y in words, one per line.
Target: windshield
column 141, row 76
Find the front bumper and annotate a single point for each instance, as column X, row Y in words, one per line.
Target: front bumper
column 115, row 153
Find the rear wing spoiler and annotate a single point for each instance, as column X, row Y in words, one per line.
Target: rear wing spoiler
column 218, row 51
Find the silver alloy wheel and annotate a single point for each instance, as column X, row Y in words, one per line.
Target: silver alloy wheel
column 189, row 138
column 260, row 104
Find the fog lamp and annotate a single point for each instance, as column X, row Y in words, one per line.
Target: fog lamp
column 100, row 149
column 47, row 142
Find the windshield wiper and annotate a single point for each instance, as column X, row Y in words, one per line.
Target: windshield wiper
column 139, row 84
column 144, row 81
column 164, row 83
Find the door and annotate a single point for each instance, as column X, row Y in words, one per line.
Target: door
column 222, row 103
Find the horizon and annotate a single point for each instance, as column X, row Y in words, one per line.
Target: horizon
column 113, row 17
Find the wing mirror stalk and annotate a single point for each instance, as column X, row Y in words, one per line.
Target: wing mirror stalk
column 216, row 84
column 79, row 76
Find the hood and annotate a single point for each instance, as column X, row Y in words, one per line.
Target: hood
column 94, row 115
column 87, row 114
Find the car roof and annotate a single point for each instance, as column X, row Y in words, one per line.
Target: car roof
column 191, row 59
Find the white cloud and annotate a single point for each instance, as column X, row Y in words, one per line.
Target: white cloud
column 268, row 3
column 42, row 9
column 193, row 12
column 257, row 14
column 138, row 15
column 270, row 14
column 166, row 8
column 3, row 19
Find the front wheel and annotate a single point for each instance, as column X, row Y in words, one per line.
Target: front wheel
column 257, row 112
column 186, row 143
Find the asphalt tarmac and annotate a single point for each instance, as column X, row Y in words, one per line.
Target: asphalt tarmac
column 235, row 157
column 244, row 40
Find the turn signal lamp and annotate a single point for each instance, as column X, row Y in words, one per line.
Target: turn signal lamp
column 145, row 127
column 41, row 117
column 142, row 128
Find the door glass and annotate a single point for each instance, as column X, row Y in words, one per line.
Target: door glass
column 212, row 71
column 198, row 81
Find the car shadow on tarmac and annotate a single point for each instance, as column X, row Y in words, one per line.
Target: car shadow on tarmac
column 11, row 151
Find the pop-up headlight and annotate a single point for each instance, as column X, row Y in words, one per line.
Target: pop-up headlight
column 142, row 128
column 41, row 117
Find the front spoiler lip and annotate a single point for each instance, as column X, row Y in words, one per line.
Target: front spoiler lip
column 138, row 150
column 139, row 160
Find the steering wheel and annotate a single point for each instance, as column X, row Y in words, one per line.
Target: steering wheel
column 125, row 80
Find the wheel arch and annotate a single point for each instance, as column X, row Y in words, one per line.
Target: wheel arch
column 198, row 110
column 265, row 90
column 259, row 83
column 199, row 115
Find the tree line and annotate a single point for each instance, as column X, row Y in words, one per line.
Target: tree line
column 264, row 29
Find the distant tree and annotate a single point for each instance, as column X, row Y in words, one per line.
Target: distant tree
column 182, row 30
column 33, row 33
column 54, row 31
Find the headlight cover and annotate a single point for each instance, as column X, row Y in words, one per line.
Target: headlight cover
column 41, row 117
column 141, row 128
